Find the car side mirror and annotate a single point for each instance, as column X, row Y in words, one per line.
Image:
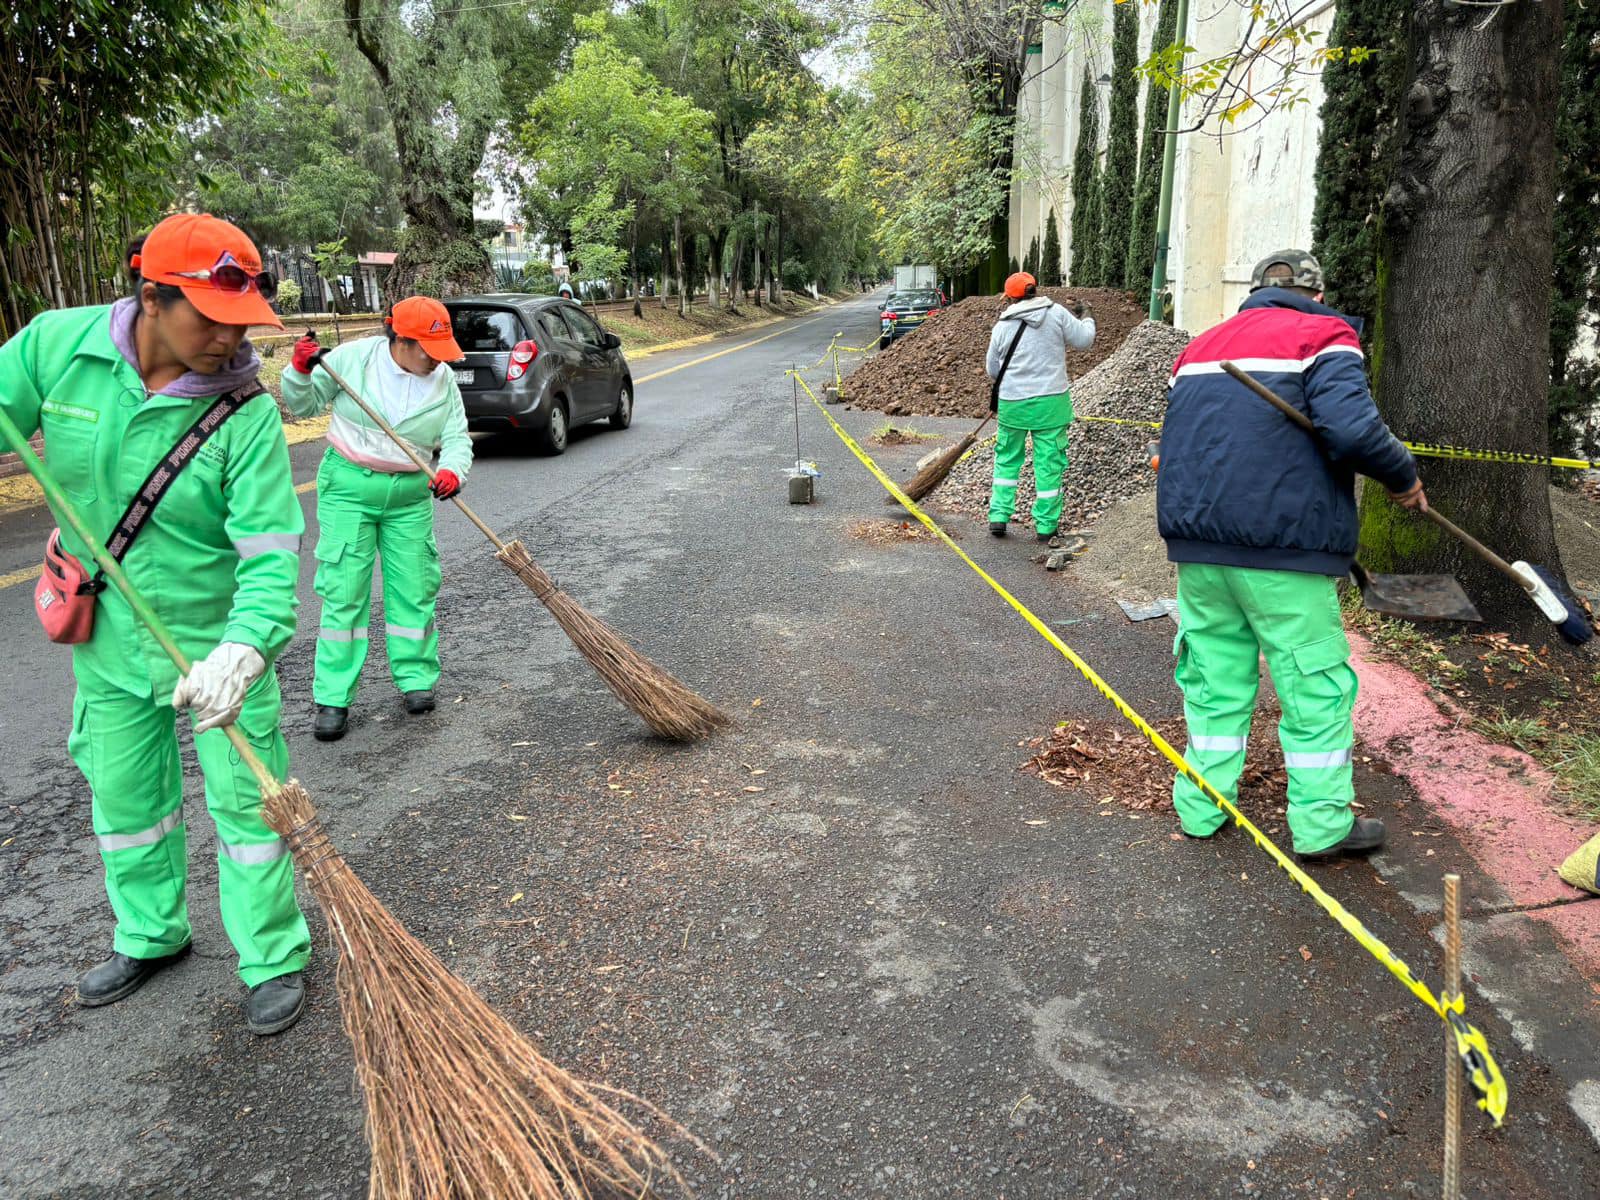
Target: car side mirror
column 613, row 342
column 881, row 307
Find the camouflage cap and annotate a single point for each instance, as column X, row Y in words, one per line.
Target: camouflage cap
column 1304, row 270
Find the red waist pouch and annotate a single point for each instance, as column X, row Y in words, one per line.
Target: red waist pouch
column 65, row 596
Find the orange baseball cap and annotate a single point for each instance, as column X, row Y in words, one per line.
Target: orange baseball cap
column 1017, row 285
column 194, row 251
column 425, row 320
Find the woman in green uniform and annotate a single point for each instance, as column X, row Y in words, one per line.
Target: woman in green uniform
column 114, row 389
column 372, row 500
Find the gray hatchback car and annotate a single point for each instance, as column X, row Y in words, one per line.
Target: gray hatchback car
column 538, row 365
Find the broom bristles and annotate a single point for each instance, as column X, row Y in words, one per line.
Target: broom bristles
column 932, row 475
column 459, row 1104
column 667, row 706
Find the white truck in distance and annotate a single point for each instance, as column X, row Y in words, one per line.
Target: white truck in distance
column 908, row 279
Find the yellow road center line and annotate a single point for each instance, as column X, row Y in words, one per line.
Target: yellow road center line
column 705, row 358
column 26, row 575
column 29, row 574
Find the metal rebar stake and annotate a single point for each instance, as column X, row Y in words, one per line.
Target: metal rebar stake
column 1452, row 1063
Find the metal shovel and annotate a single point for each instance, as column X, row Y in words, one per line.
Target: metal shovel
column 1419, row 597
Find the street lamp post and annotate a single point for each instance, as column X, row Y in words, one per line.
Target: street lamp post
column 1169, row 161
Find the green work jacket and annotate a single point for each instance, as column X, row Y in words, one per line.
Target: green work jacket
column 219, row 558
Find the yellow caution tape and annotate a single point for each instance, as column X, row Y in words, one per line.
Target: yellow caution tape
column 1433, row 450
column 1479, row 1063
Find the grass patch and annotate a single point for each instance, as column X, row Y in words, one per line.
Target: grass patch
column 1572, row 756
column 890, row 434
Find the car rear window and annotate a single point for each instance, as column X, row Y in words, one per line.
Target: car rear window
column 481, row 330
column 919, row 298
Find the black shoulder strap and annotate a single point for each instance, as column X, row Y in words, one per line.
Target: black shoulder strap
column 994, row 388
column 166, row 471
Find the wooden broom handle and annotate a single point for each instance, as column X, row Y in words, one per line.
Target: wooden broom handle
column 113, row 569
column 322, row 361
column 1438, row 518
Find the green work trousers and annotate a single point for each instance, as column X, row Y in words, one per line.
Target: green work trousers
column 127, row 748
column 364, row 514
column 1049, row 465
column 1230, row 617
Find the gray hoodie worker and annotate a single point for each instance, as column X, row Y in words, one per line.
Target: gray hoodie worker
column 1027, row 354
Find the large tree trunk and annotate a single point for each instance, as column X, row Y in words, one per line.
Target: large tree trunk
column 633, row 265
column 685, row 284
column 715, row 242
column 734, row 273
column 1464, row 307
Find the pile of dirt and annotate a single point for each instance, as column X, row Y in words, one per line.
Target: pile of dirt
column 1105, row 462
column 939, row 369
column 1115, row 762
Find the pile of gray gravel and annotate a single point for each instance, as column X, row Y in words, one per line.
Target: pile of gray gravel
column 1105, row 463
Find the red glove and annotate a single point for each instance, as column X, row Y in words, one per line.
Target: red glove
column 446, row 483
column 305, row 353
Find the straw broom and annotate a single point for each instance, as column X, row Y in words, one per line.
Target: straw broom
column 667, row 706
column 932, row 475
column 459, row 1104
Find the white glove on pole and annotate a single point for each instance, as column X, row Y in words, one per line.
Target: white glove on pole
column 215, row 686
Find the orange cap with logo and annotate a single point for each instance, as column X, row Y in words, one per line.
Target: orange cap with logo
column 1018, row 284
column 427, row 322
column 191, row 251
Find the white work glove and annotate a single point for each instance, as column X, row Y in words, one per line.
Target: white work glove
column 215, row 686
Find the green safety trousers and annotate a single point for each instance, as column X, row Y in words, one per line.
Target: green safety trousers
column 127, row 748
column 1049, row 465
column 1230, row 617
column 364, row 514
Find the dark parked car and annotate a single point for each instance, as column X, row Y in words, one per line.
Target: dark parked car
column 538, row 365
column 905, row 311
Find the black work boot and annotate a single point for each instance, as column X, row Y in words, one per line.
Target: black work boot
column 419, row 702
column 120, row 976
column 1044, row 537
column 997, row 528
column 331, row 722
column 276, row 1004
column 1365, row 836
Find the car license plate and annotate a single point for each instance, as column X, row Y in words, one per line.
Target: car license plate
column 465, row 374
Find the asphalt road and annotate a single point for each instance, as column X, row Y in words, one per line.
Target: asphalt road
column 848, row 943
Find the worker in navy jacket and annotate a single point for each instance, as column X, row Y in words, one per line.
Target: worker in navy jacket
column 1260, row 517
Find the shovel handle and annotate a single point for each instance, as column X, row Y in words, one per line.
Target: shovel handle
column 1271, row 397
column 322, row 361
column 113, row 569
column 1438, row 518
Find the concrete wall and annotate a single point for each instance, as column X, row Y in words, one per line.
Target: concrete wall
column 1235, row 197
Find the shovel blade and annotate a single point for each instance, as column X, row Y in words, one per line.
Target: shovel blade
column 1420, row 597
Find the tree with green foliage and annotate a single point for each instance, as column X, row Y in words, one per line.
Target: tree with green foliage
column 1122, row 148
column 308, row 159
column 1011, row 267
column 96, row 94
column 607, row 126
column 1030, row 264
column 449, row 74
column 1141, row 258
column 1050, row 255
column 1086, row 250
column 1575, row 298
column 1363, row 88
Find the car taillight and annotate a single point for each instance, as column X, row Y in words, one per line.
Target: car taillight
column 889, row 316
column 522, row 354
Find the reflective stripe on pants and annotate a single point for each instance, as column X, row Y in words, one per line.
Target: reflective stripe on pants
column 1230, row 617
column 127, row 748
column 366, row 515
column 1049, row 464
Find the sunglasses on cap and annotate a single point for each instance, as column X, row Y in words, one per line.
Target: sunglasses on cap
column 235, row 279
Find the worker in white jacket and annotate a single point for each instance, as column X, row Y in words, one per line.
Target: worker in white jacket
column 1027, row 353
column 372, row 500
